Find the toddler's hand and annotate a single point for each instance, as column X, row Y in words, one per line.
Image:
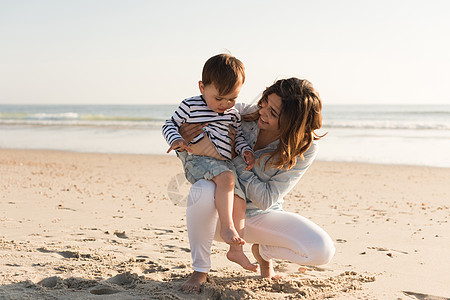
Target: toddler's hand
column 249, row 159
column 180, row 145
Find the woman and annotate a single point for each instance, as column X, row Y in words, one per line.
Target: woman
column 281, row 131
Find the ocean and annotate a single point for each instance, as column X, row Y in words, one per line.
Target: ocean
column 405, row 135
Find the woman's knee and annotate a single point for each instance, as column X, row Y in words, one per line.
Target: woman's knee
column 322, row 251
column 201, row 191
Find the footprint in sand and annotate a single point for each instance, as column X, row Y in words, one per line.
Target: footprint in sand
column 65, row 254
column 121, row 235
column 123, row 279
column 69, row 254
column 50, row 282
column 104, row 291
column 423, row 296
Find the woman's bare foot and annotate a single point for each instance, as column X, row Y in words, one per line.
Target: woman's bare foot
column 236, row 254
column 265, row 266
column 194, row 283
column 231, row 237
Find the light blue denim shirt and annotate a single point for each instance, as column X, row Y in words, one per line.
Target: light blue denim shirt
column 265, row 189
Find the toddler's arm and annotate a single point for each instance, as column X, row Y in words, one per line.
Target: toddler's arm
column 249, row 158
column 170, row 128
column 241, row 146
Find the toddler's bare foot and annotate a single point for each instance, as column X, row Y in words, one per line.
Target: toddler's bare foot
column 266, row 267
column 236, row 254
column 194, row 283
column 231, row 237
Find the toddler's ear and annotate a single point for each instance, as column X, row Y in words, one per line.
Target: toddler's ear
column 201, row 86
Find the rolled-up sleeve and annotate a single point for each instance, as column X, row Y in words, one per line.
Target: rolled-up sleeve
column 264, row 194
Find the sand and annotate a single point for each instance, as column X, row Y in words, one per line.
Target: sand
column 101, row 226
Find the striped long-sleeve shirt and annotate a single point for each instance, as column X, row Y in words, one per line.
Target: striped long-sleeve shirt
column 195, row 110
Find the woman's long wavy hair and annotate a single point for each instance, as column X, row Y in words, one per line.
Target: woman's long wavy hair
column 300, row 116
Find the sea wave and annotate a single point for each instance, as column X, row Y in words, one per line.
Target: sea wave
column 76, row 119
column 48, row 116
column 392, row 125
column 71, row 116
column 73, row 119
column 145, row 123
column 85, row 123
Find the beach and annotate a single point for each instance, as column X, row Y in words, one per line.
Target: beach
column 96, row 226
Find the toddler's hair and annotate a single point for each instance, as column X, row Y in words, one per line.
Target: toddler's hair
column 224, row 71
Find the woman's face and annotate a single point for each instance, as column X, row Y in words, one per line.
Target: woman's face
column 270, row 113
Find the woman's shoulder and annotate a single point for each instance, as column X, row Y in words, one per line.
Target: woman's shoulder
column 314, row 147
column 245, row 108
column 308, row 157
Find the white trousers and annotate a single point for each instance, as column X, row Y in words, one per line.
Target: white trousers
column 281, row 235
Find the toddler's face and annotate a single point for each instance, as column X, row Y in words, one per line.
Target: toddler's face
column 216, row 102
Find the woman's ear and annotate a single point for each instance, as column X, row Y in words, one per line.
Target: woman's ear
column 201, row 87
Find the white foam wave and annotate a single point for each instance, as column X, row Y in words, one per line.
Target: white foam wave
column 75, row 120
column 83, row 123
column 408, row 125
column 48, row 116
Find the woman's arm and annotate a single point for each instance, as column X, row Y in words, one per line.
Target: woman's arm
column 265, row 194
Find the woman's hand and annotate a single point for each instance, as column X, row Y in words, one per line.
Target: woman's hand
column 180, row 145
column 190, row 130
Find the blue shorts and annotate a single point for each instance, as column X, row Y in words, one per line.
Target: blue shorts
column 198, row 167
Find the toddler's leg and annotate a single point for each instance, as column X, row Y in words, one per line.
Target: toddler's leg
column 236, row 252
column 224, row 203
column 239, row 207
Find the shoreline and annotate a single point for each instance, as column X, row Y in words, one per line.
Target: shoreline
column 173, row 155
column 86, row 224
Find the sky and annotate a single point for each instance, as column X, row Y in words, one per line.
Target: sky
column 152, row 52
